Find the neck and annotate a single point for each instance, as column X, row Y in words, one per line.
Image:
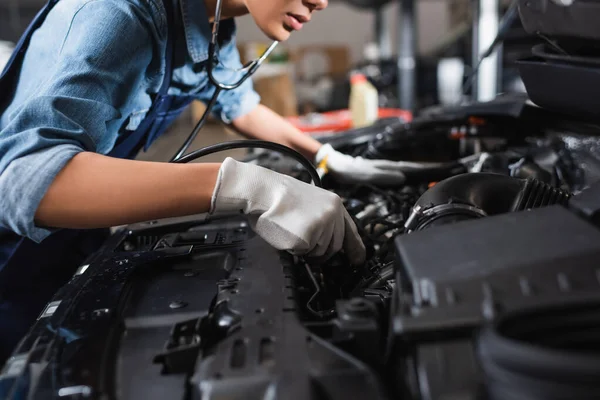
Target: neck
column 229, row 8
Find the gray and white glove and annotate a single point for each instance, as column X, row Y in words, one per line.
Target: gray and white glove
column 287, row 213
column 350, row 169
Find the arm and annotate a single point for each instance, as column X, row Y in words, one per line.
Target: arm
column 50, row 175
column 95, row 191
column 264, row 124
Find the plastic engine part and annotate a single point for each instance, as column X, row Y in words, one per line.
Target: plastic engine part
column 536, row 194
column 548, row 354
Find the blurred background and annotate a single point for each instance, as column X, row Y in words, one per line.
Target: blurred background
column 416, row 53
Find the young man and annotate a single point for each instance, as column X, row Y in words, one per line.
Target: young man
column 92, row 73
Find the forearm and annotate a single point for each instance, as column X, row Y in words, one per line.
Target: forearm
column 95, row 191
column 264, row 124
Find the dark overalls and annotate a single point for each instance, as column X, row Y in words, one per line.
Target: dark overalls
column 30, row 273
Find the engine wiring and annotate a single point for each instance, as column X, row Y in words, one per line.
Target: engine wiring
column 309, row 305
column 380, row 212
column 383, row 216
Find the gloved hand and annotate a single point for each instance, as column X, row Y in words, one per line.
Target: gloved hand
column 287, row 213
column 350, row 169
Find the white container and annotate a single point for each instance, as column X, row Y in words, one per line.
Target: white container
column 450, row 74
column 6, row 50
column 364, row 101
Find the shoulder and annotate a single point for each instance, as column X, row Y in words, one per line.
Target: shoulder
column 103, row 14
column 102, row 31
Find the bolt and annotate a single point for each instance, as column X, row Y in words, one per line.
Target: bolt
column 563, row 3
column 177, row 304
column 358, row 304
column 359, row 308
column 100, row 312
column 413, row 219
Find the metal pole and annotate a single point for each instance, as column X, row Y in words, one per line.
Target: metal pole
column 487, row 78
column 383, row 34
column 474, row 46
column 499, row 68
column 407, row 44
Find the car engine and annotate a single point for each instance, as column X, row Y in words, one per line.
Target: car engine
column 481, row 282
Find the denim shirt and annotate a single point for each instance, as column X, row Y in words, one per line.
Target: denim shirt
column 88, row 76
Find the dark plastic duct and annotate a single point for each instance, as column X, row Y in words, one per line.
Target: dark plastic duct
column 476, row 195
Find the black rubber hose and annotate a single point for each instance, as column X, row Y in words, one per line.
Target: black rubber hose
column 434, row 174
column 380, row 278
column 550, row 354
column 476, row 195
column 492, row 193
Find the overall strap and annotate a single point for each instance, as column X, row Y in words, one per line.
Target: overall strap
column 130, row 144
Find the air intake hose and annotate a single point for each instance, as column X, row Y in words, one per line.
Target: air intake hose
column 546, row 354
column 476, row 195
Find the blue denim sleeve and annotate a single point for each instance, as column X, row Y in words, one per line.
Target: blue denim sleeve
column 75, row 107
column 231, row 104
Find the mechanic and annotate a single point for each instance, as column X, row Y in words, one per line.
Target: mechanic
column 91, row 74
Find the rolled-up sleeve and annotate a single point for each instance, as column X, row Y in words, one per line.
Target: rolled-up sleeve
column 76, row 107
column 235, row 103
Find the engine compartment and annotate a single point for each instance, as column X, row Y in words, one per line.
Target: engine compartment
column 481, row 282
column 460, row 165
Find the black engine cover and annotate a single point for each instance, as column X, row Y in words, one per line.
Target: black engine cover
column 460, row 278
column 181, row 310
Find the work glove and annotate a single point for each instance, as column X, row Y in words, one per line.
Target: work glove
column 350, row 169
column 287, row 213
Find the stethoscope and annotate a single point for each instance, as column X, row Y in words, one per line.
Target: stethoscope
column 249, row 69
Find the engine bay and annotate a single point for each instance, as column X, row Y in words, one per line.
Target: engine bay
column 481, row 282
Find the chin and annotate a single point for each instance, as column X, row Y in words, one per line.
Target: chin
column 277, row 32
